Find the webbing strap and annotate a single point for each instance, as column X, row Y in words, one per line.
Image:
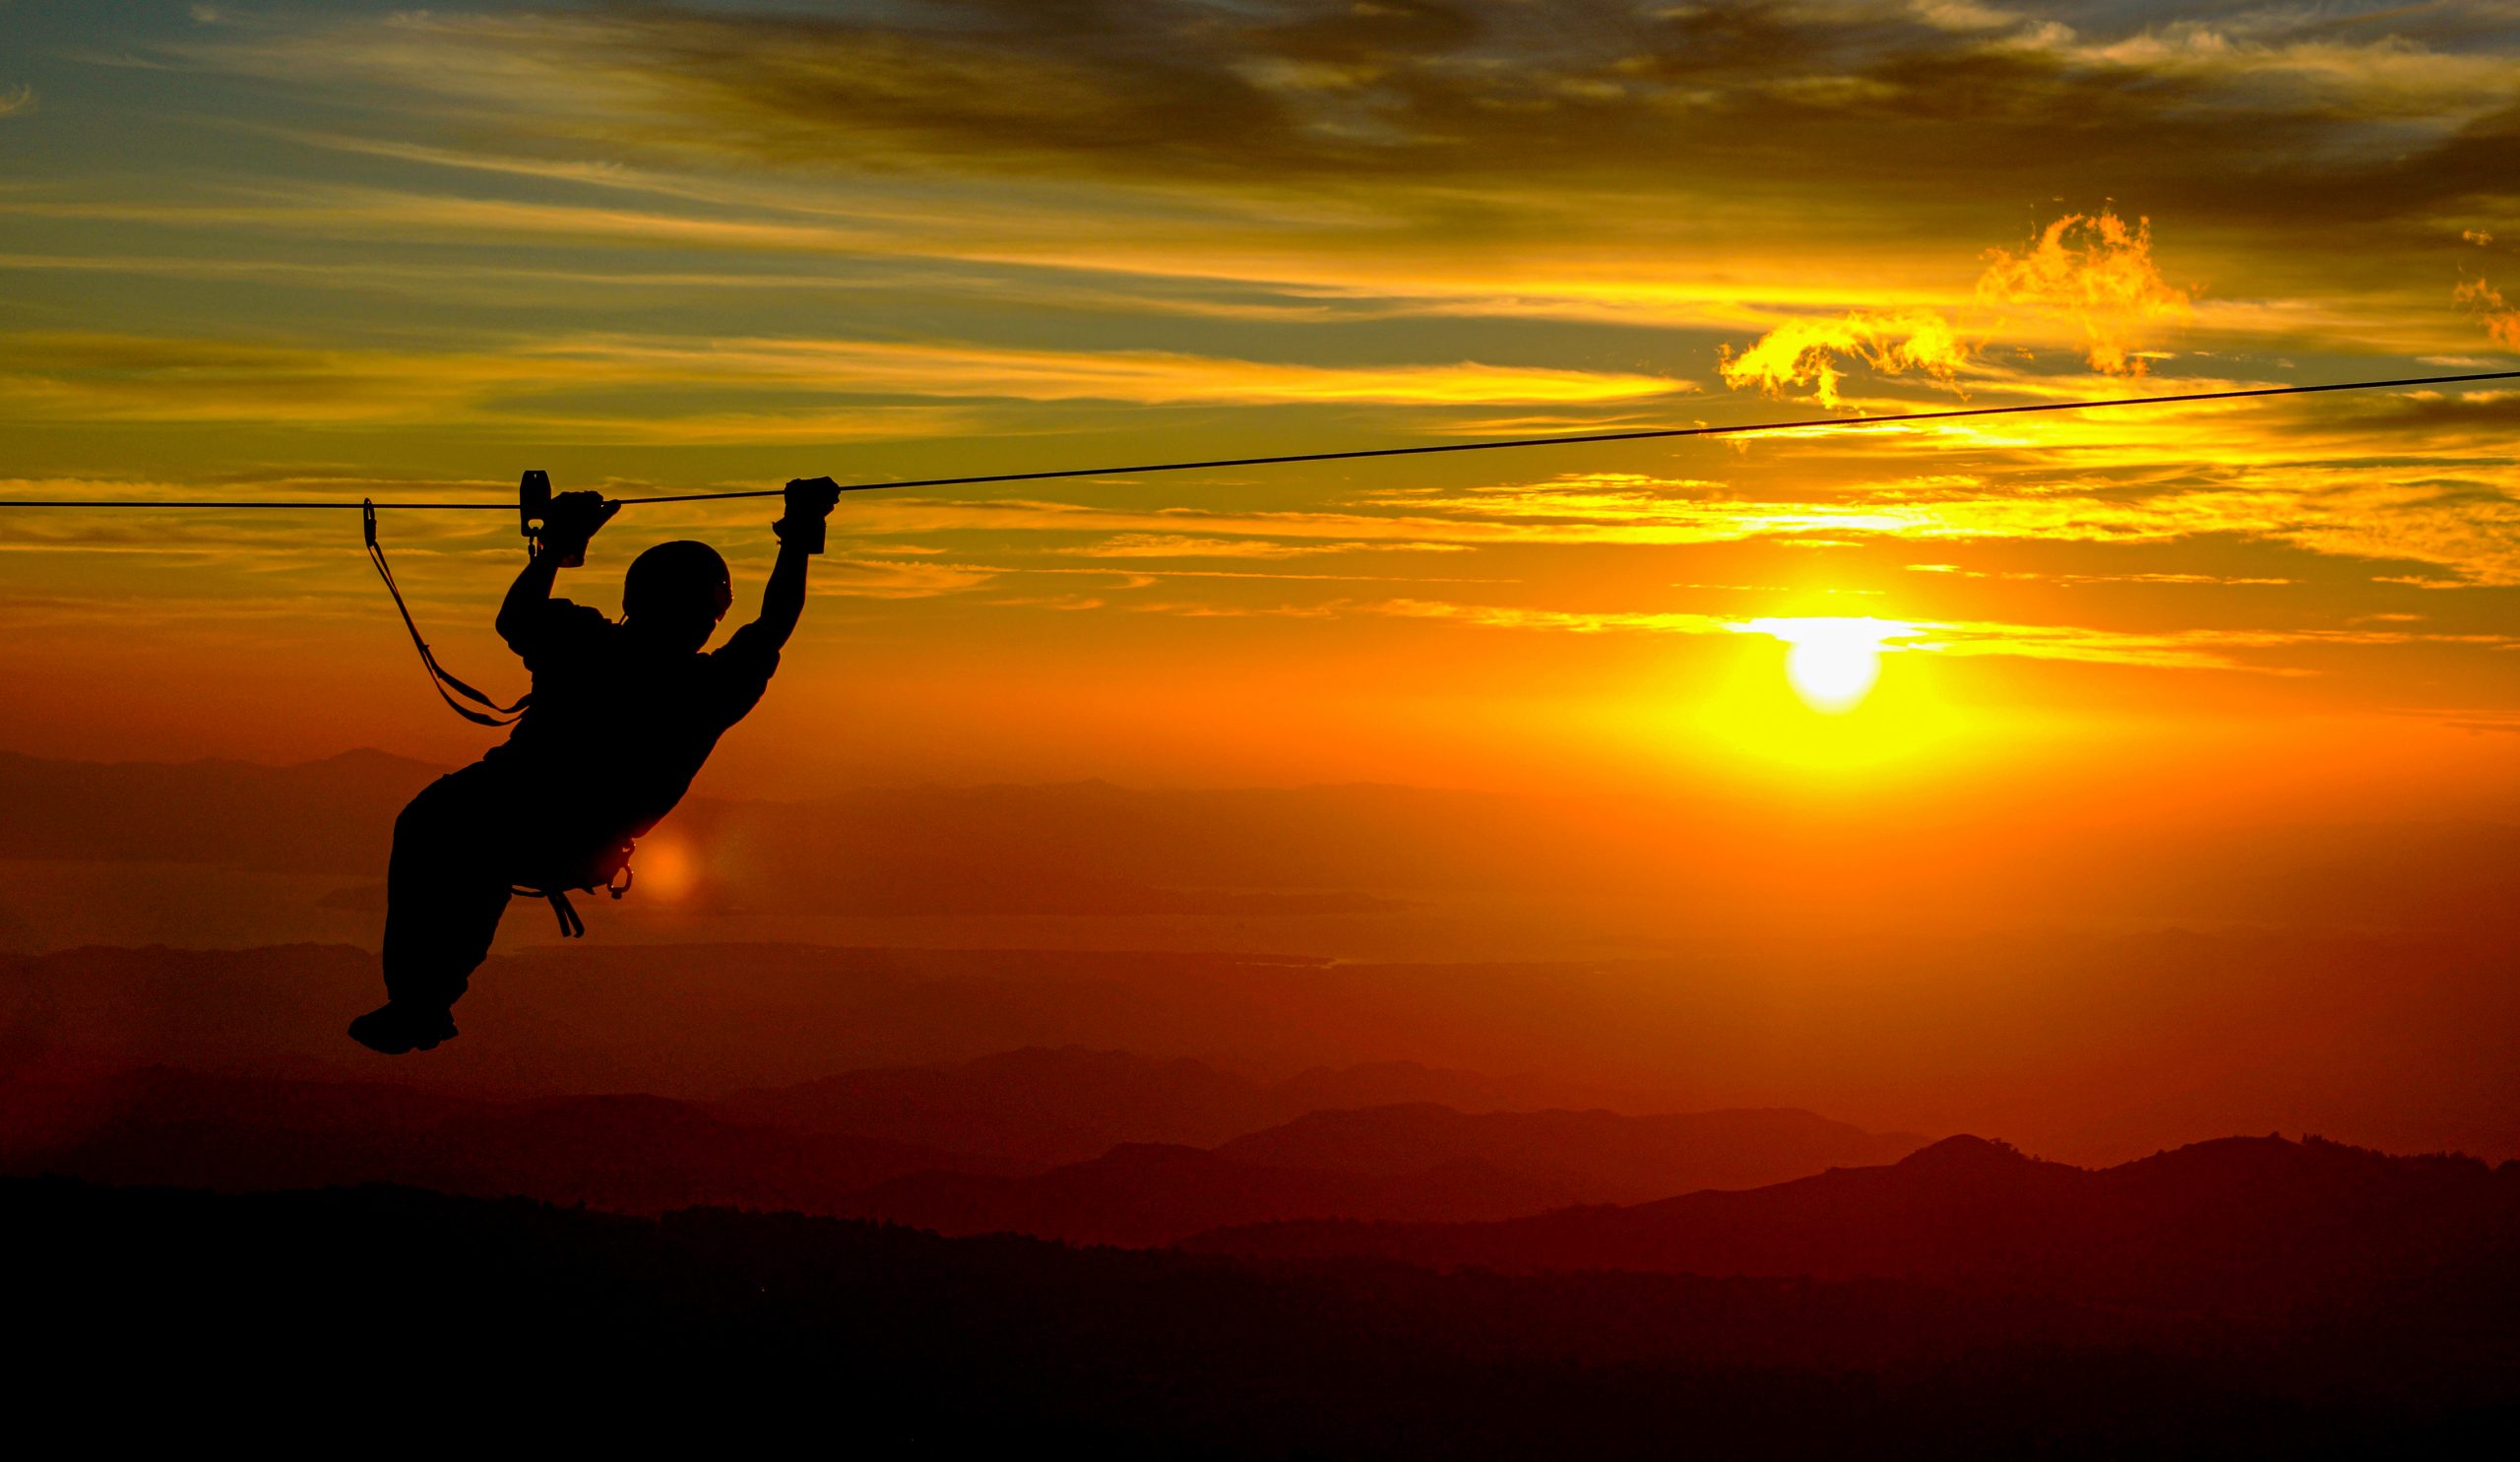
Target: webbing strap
column 443, row 682
column 571, row 925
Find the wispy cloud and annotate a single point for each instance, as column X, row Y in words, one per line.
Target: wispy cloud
column 1185, row 545
column 1017, row 232
column 894, row 577
column 2185, row 650
column 562, row 383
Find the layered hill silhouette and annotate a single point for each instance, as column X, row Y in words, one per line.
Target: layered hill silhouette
column 968, row 1148
column 1038, row 1105
column 2241, row 1225
column 630, row 1154
column 2090, row 1049
column 1145, row 1195
column 1068, row 1103
column 2096, row 1049
column 1591, row 1157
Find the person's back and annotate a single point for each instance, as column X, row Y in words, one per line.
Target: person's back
column 623, row 717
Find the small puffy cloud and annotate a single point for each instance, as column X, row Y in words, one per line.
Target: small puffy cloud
column 2096, row 270
column 2498, row 315
column 1806, row 352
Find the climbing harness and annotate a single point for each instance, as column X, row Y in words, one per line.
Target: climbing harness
column 612, row 874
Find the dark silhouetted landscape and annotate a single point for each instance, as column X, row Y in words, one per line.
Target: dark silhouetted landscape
column 1265, row 1124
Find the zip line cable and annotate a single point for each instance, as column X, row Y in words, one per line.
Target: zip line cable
column 535, row 494
column 1492, row 445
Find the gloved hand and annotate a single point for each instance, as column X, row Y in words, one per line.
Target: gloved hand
column 571, row 520
column 810, row 501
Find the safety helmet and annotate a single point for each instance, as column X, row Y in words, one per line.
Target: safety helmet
column 683, row 580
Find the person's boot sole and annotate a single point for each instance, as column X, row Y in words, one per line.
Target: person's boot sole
column 406, row 1043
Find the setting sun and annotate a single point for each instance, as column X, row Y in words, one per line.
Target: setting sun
column 1832, row 664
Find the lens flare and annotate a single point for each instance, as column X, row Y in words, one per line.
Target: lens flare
column 668, row 868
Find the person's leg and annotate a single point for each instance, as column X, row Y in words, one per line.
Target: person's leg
column 443, row 894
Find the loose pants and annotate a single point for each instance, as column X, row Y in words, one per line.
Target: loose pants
column 447, row 884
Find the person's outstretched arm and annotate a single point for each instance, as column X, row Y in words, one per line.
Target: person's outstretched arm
column 567, row 525
column 800, row 536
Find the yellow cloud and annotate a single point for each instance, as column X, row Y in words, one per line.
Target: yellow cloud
column 1186, row 545
column 73, row 376
column 2498, row 315
column 2096, row 270
column 892, row 578
column 1806, row 351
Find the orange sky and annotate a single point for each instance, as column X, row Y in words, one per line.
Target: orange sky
column 348, row 251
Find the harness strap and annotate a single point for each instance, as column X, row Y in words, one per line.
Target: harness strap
column 571, row 925
column 492, row 714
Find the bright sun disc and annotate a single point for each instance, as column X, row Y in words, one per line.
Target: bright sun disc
column 1832, row 664
column 1832, row 674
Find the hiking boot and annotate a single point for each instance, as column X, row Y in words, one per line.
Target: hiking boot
column 392, row 1029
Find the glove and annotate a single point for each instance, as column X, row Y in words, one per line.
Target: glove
column 571, row 520
column 810, row 501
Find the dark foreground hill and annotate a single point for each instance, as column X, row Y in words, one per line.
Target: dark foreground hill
column 389, row 1314
column 2239, row 1225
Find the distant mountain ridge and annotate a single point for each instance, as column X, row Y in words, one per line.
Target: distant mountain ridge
column 975, row 1147
column 1038, row 1105
column 2238, row 1224
column 2100, row 1050
column 1593, row 1157
column 1071, row 1102
column 1146, row 1195
column 630, row 1154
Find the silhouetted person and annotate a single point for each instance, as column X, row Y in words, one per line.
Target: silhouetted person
column 623, row 717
